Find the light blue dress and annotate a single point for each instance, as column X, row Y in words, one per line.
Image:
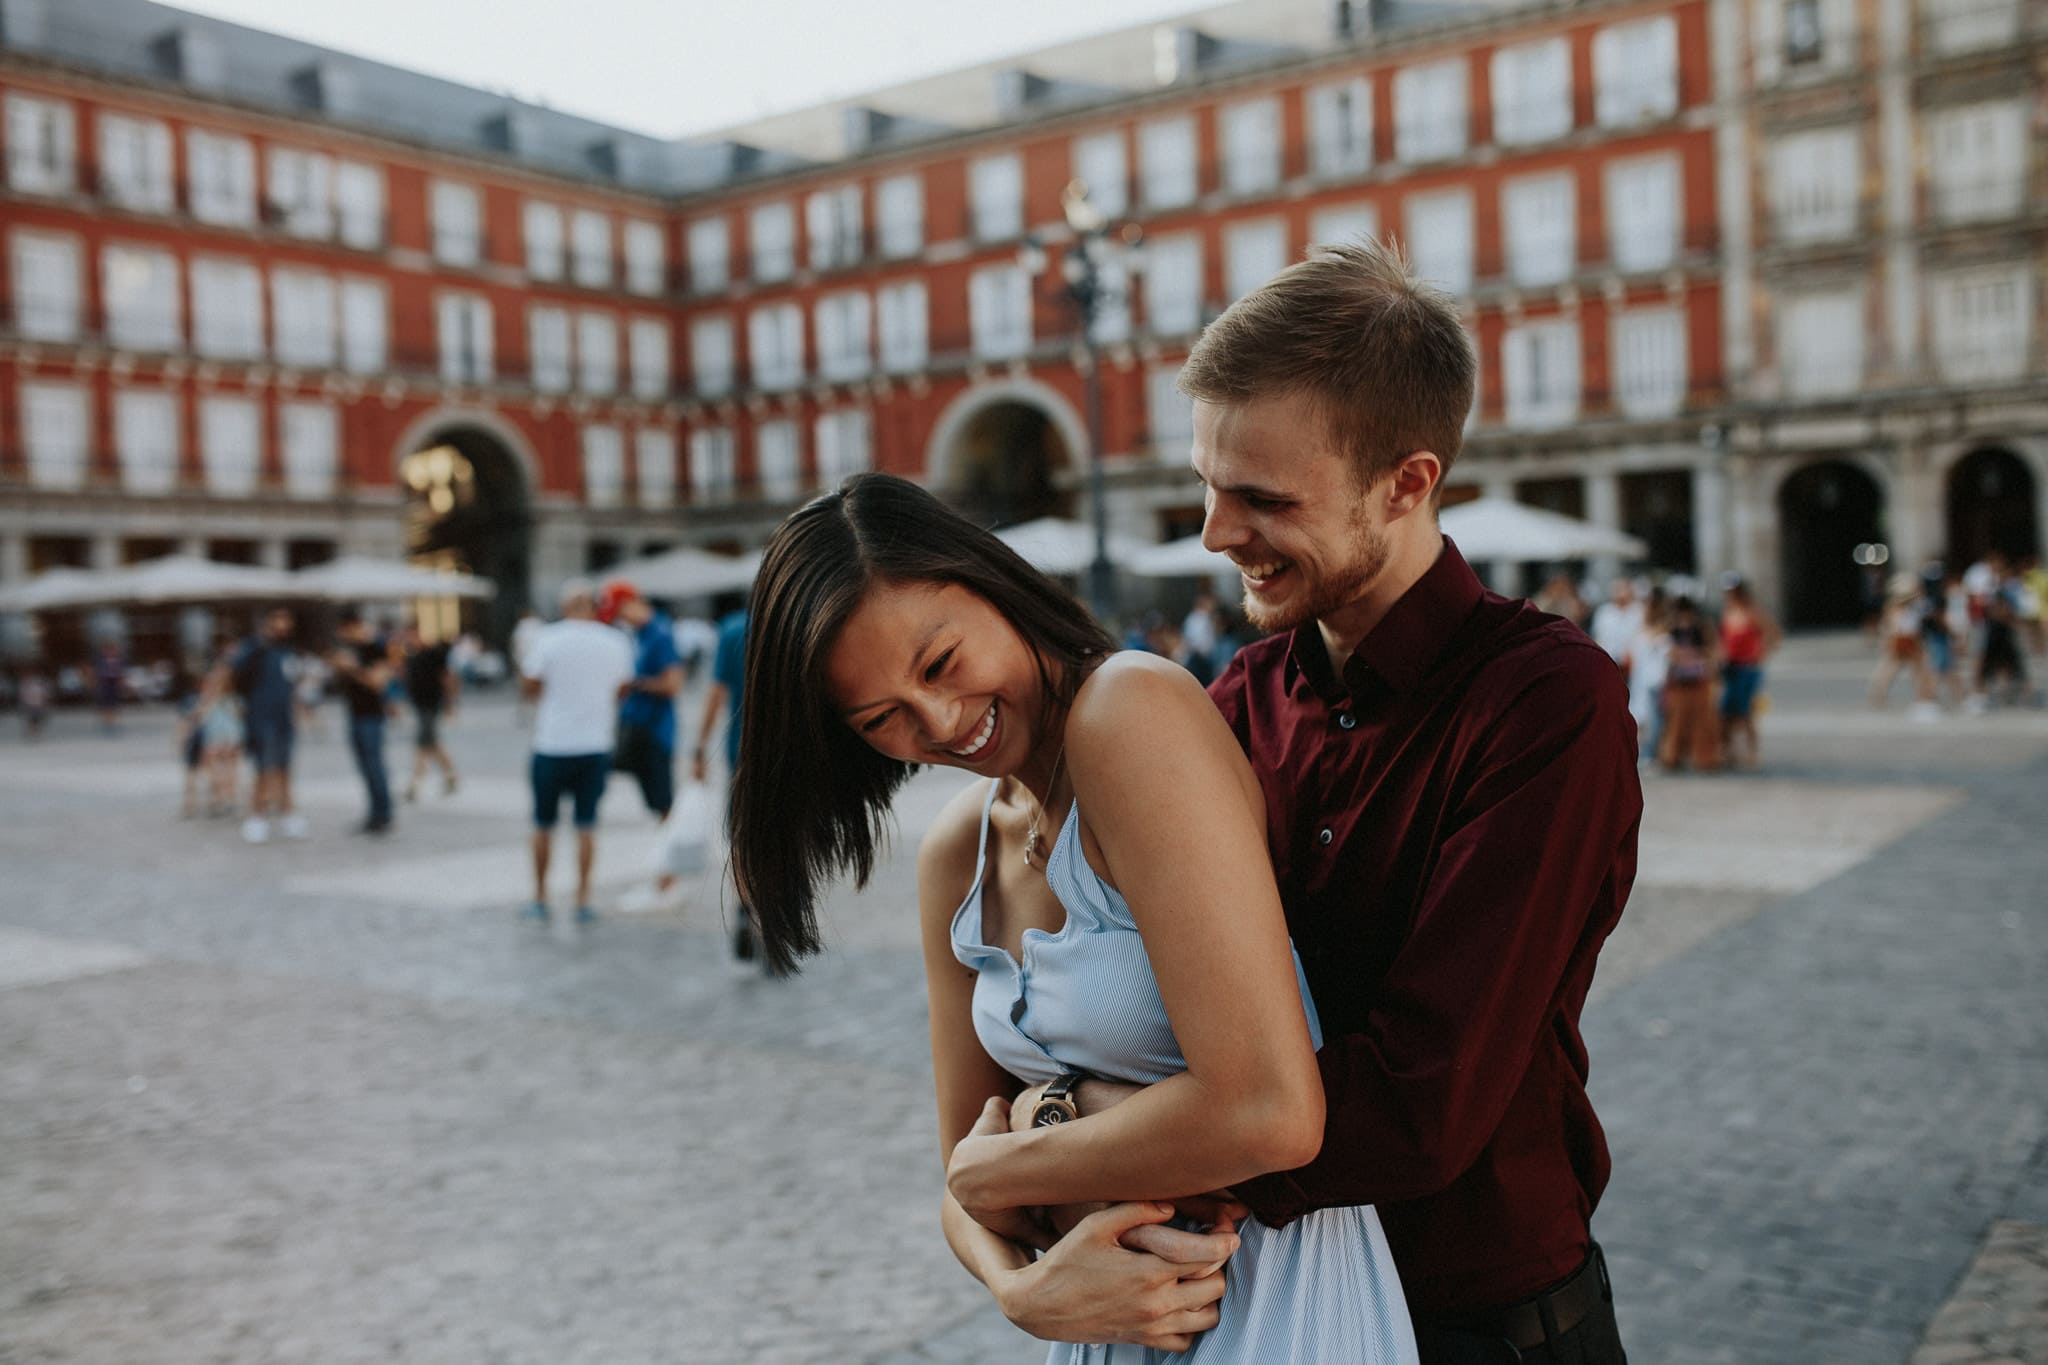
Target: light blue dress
column 1322, row 1288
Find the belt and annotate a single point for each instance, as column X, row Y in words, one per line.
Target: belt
column 1549, row 1315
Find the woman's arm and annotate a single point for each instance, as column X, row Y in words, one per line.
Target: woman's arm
column 1179, row 824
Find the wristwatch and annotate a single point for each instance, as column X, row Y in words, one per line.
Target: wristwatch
column 1056, row 1102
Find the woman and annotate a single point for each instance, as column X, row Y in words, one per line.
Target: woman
column 1748, row 635
column 1101, row 903
column 1690, row 736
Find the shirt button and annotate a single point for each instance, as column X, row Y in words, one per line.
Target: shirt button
column 1347, row 721
column 1326, row 837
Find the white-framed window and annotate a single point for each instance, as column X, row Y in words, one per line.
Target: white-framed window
column 299, row 186
column 1170, row 414
column 995, row 187
column 139, row 291
column 1439, row 232
column 711, row 356
column 309, row 447
column 56, row 433
column 1253, row 253
column 646, row 258
column 463, row 328
column 220, row 174
column 1953, row 26
column 1251, row 146
column 775, row 346
column 844, row 323
column 548, row 350
column 654, row 467
column 147, row 439
column 1539, row 214
column 771, row 231
column 1101, row 163
column 365, row 325
column 1344, row 223
column 1796, row 39
column 590, row 248
column 1983, row 322
column 1168, row 169
column 714, row 469
column 833, row 221
column 1820, row 342
column 230, row 444
column 1540, row 371
column 1816, row 181
column 999, row 311
column 359, row 194
column 1174, row 291
column 604, row 465
column 42, row 145
column 647, row 349
column 899, row 210
column 302, row 317
column 1532, row 92
column 597, row 353
column 1340, row 128
column 46, row 271
column 777, row 463
column 457, row 215
column 1648, row 361
column 1635, row 72
column 227, row 309
column 1430, row 102
column 845, row 445
column 709, row 245
column 135, row 163
column 540, row 229
column 1644, row 208
column 1977, row 161
column 903, row 320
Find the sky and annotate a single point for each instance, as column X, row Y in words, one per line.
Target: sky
column 672, row 68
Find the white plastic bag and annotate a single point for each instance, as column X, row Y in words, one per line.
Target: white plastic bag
column 685, row 844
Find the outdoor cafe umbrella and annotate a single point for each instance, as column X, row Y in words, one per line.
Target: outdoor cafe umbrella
column 1056, row 546
column 1506, row 530
column 355, row 578
column 156, row 582
column 1183, row 558
column 689, row 572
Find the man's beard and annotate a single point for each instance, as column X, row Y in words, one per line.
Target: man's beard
column 1348, row 582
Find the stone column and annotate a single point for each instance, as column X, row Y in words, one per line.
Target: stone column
column 1710, row 519
column 271, row 552
column 1915, row 510
column 1603, row 508
column 17, row 632
column 1501, row 576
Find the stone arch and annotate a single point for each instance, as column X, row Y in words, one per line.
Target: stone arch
column 1828, row 505
column 1994, row 495
column 418, row 433
column 473, row 512
column 1034, row 419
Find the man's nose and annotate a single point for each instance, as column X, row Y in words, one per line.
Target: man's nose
column 1221, row 528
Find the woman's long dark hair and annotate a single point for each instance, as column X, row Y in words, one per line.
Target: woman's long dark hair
column 810, row 798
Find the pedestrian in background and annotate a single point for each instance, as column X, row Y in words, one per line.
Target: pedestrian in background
column 433, row 687
column 1691, row 734
column 524, row 632
column 575, row 671
column 646, row 746
column 1200, row 634
column 722, row 704
column 363, row 663
column 1560, row 597
column 1748, row 635
column 109, row 679
column 35, row 703
column 1900, row 646
column 1649, row 655
column 1617, row 623
column 266, row 673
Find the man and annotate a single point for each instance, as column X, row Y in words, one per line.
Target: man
column 647, row 716
column 1617, row 622
column 363, row 664
column 433, row 685
column 576, row 670
column 1452, row 807
column 722, row 698
column 1201, row 634
column 265, row 675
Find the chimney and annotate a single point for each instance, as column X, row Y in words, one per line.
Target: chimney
column 192, row 58
column 326, row 87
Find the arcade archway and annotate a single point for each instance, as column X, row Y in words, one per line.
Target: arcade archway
column 1001, row 465
column 1991, row 506
column 1825, row 511
column 468, row 508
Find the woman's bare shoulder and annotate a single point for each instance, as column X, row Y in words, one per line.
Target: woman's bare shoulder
column 946, row 855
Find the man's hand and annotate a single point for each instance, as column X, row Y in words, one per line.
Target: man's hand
column 1215, row 1208
column 1092, row 1287
column 698, row 767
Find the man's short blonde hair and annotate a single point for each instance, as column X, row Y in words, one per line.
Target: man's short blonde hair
column 1381, row 355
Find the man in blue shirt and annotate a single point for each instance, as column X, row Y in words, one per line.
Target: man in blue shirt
column 647, row 713
column 728, row 685
column 265, row 674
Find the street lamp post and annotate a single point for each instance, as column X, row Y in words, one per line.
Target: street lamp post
column 1081, row 273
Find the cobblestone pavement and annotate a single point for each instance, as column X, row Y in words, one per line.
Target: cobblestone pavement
column 329, row 1101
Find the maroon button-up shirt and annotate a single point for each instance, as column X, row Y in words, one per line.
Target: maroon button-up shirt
column 1453, row 823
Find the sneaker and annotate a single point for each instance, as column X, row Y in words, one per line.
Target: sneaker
column 294, row 826
column 1924, row 712
column 374, row 827
column 255, row 830
column 448, row 788
column 537, row 911
column 412, row 792
column 585, row 915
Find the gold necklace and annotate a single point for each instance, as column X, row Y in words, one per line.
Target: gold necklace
column 1032, row 838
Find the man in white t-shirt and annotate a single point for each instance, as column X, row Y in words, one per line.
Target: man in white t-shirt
column 1617, row 622
column 576, row 669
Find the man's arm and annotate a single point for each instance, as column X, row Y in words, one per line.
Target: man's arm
column 714, row 702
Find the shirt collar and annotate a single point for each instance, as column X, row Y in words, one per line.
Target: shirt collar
column 1406, row 643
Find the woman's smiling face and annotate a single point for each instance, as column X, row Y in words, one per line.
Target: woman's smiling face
column 933, row 673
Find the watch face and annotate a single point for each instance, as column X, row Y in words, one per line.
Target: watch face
column 1049, row 1115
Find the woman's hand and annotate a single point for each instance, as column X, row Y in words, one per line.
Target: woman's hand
column 974, row 1160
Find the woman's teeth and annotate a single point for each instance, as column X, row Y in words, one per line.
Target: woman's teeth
column 988, row 727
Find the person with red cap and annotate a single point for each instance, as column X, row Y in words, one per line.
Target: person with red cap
column 647, row 712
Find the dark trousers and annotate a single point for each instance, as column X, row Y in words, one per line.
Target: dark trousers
column 366, row 742
column 1594, row 1339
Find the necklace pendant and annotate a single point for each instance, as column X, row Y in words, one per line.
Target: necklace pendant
column 1030, row 846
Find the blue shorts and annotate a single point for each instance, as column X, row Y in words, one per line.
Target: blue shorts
column 578, row 776
column 1739, row 686
column 269, row 741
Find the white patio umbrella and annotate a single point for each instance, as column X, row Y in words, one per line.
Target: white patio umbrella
column 1055, row 545
column 354, row 578
column 49, row 590
column 689, row 572
column 1503, row 529
column 1183, row 558
column 156, row 582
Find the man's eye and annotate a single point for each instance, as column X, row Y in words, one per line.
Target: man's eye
column 937, row 666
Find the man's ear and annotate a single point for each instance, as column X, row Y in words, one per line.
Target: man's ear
column 1412, row 483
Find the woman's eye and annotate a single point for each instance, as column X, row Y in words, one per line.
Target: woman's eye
column 937, row 666
column 869, row 727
